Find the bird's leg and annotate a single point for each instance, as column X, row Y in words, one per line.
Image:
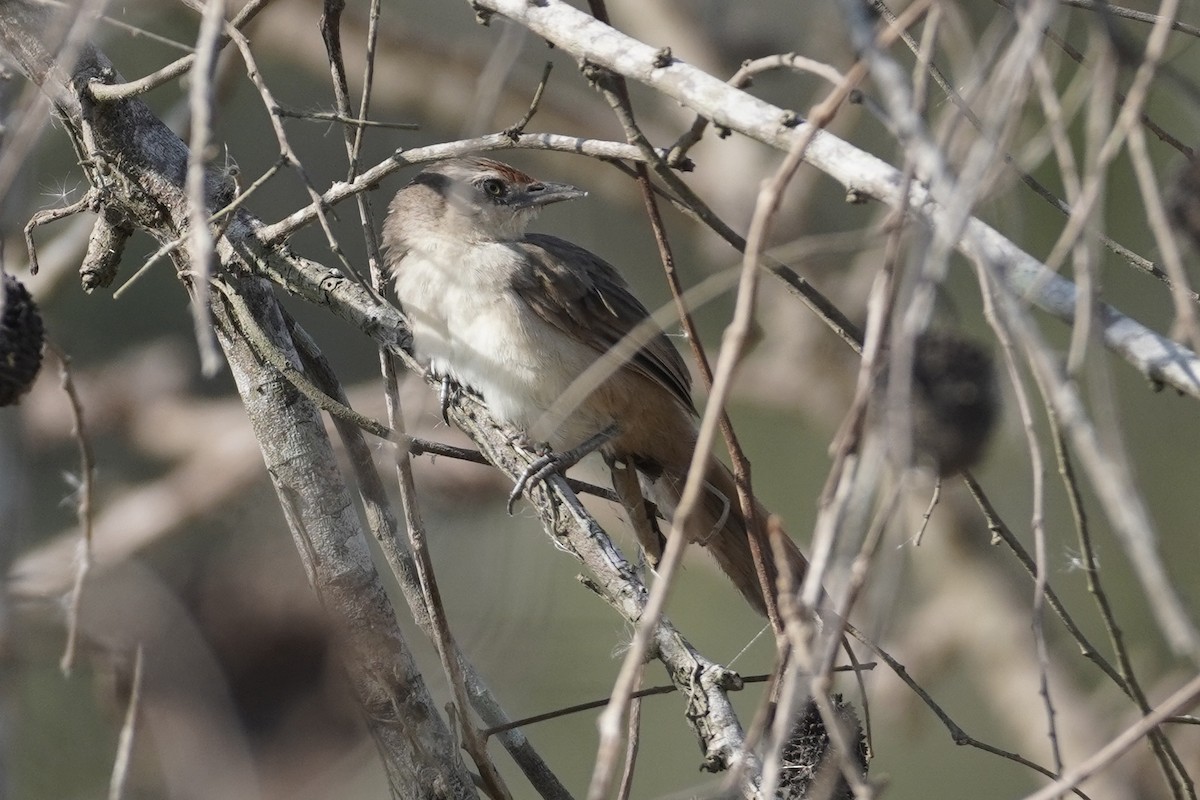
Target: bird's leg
column 549, row 464
column 447, row 386
column 640, row 511
column 444, row 390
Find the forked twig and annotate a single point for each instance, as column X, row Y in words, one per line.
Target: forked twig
column 514, row 131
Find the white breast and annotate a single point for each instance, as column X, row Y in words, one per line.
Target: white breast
column 469, row 326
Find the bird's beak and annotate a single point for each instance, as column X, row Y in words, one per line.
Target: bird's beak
column 543, row 194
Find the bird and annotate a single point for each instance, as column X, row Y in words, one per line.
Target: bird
column 517, row 316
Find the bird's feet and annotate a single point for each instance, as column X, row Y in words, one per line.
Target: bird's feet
column 550, row 463
column 447, row 389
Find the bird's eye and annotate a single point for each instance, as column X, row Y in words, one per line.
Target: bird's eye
column 495, row 187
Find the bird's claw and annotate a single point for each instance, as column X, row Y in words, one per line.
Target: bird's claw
column 541, row 468
column 549, row 463
column 446, row 389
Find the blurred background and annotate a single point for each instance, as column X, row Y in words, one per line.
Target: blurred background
column 242, row 692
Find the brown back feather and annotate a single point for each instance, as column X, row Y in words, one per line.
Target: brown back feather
column 599, row 302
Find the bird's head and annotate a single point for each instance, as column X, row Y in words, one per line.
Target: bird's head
column 475, row 199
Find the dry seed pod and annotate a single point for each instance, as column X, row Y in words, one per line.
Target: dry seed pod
column 21, row 339
column 955, row 402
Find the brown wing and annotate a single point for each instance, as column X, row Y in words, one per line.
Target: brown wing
column 598, row 304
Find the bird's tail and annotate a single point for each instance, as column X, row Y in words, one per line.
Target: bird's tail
column 720, row 527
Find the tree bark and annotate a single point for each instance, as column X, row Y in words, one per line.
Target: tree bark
column 136, row 166
column 420, row 755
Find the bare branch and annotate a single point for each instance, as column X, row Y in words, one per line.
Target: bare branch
column 120, row 771
column 84, row 496
column 110, row 93
column 417, row 748
column 200, row 238
column 1151, row 353
column 1184, row 698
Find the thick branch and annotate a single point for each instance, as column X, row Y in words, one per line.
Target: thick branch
column 420, row 755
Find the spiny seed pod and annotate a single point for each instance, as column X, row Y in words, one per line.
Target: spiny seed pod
column 811, row 764
column 21, row 339
column 955, row 401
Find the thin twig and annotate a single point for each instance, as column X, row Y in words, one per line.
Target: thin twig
column 364, row 106
column 591, row 704
column 925, row 517
column 84, row 498
column 49, row 215
column 370, row 178
column 1105, row 7
column 200, row 236
column 1172, row 766
column 288, row 154
column 1098, row 122
column 382, row 523
column 618, row 98
column 1185, row 697
column 225, row 213
column 1037, row 524
column 740, row 80
column 1187, row 326
column 109, row 93
column 514, row 131
column 1129, row 115
column 640, row 693
column 801, row 630
column 957, row 734
column 947, row 87
column 473, row 741
column 335, row 116
column 132, row 30
column 632, row 738
column 1038, row 513
column 124, row 756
